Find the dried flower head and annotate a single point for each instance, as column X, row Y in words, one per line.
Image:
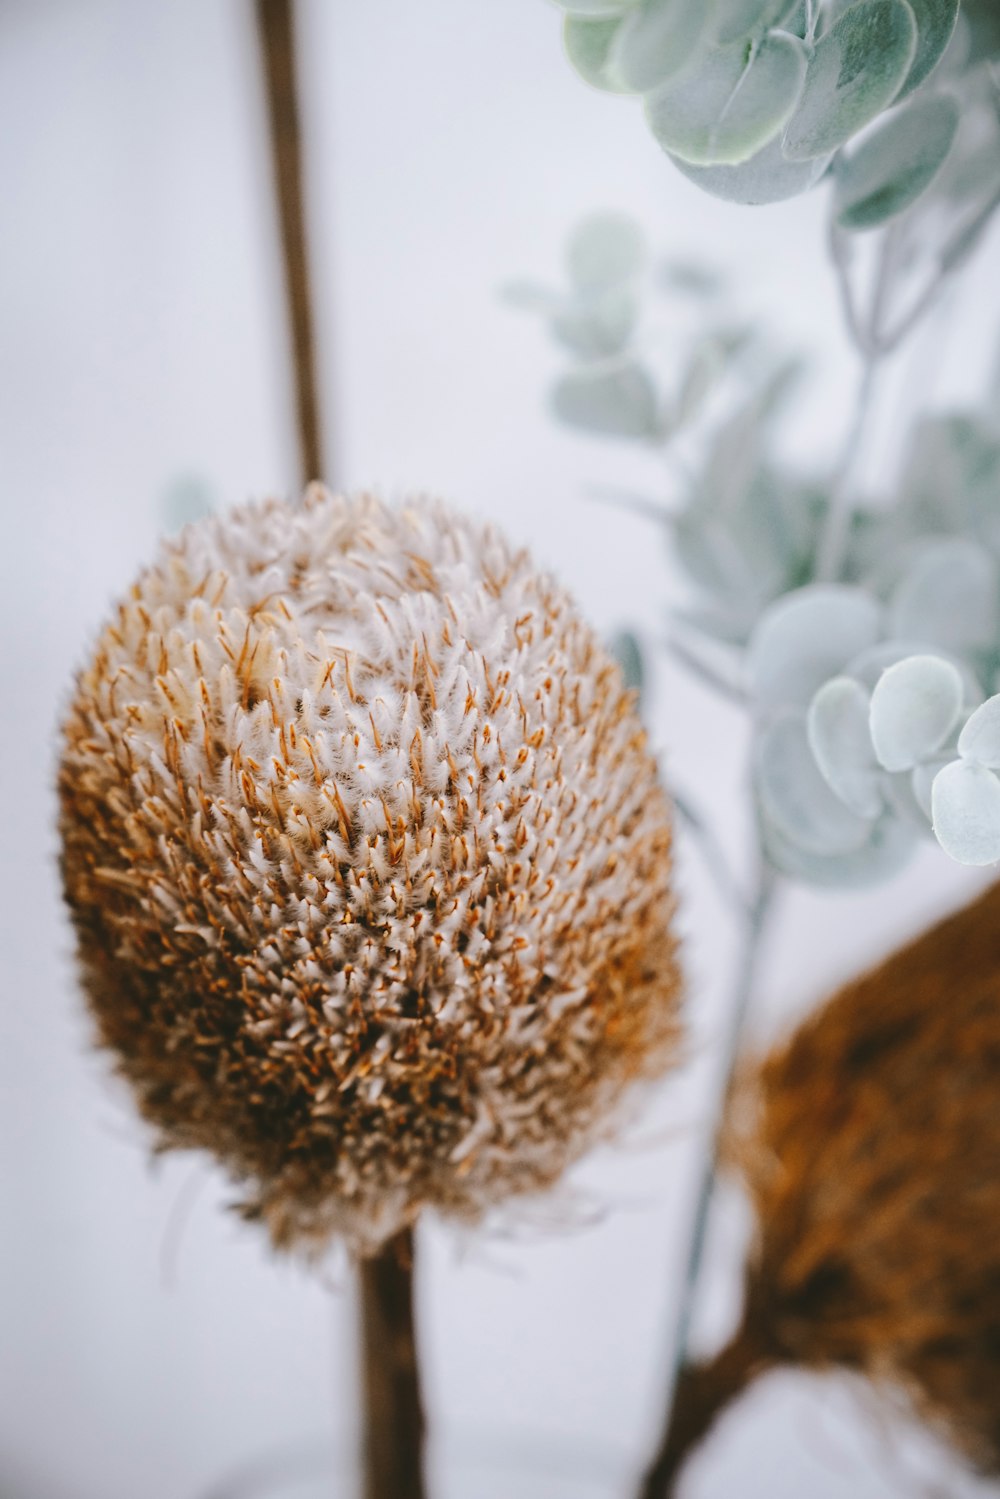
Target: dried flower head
column 870, row 1143
column 368, row 863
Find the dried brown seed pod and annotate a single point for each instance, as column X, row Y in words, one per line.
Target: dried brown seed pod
column 870, row 1144
column 368, row 862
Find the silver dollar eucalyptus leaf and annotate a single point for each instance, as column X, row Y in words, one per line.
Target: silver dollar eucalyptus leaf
column 612, row 400
column 935, row 24
column 604, row 250
column 897, row 163
column 914, row 708
column 965, row 810
column 657, row 40
column 794, row 797
column 768, row 177
column 855, row 71
column 596, row 7
column 806, row 637
column 889, row 845
column 980, row 739
column 726, row 109
column 588, row 47
column 841, row 742
column 948, row 596
column 740, row 19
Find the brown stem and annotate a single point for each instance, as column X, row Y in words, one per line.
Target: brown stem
column 277, row 41
column 394, row 1417
column 701, row 1394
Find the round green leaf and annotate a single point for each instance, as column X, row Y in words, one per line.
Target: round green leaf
column 588, row 47
column 889, row 845
column 616, row 400
column 855, row 71
column 914, row 708
column 895, row 164
column 841, row 742
column 795, row 799
column 741, row 19
column 935, row 23
column 805, row 637
column 604, row 250
column 657, row 39
column 965, row 809
column 980, row 739
column 949, row 597
column 726, row 109
column 767, row 177
column 592, row 8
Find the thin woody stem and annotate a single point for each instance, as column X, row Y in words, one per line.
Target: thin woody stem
column 277, row 42
column 394, row 1417
column 760, row 913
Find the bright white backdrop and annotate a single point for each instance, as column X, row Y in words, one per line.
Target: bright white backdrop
column 148, row 1342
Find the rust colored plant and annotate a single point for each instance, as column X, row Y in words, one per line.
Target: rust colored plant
column 369, row 865
column 870, row 1145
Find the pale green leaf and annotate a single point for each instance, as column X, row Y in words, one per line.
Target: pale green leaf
column 604, row 250
column 935, row 23
column 914, row 708
column 729, row 107
column 742, row 19
column 841, row 742
column 855, row 71
column 948, row 597
column 588, row 47
column 615, row 400
column 898, row 162
column 768, row 177
column 793, row 795
column 965, row 810
column 980, row 739
column 596, row 7
column 806, row 637
column 656, row 41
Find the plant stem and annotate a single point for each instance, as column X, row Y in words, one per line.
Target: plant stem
column 277, row 41
column 758, row 920
column 394, row 1417
column 702, row 1393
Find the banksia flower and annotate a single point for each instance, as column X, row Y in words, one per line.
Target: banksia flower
column 870, row 1143
column 368, row 863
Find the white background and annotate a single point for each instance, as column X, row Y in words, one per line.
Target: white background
column 149, row 1343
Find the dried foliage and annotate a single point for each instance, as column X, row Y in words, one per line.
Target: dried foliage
column 875, row 1170
column 368, row 863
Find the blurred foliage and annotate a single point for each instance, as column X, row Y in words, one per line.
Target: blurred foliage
column 872, row 688
column 756, row 100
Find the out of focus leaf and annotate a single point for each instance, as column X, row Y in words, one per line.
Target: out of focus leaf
column 729, row 107
column 588, row 47
column 965, row 809
column 914, row 708
column 740, row 19
column 841, row 742
column 627, row 652
column 949, row 596
column 895, row 164
column 855, row 71
column 768, row 177
column 597, row 327
column 935, row 23
column 794, row 797
column 604, row 250
column 596, row 7
column 890, row 844
column 805, row 638
column 980, row 739
column 656, row 41
column 612, row 400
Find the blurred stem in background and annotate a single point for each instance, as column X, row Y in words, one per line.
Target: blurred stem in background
column 393, row 1409
column 277, row 41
